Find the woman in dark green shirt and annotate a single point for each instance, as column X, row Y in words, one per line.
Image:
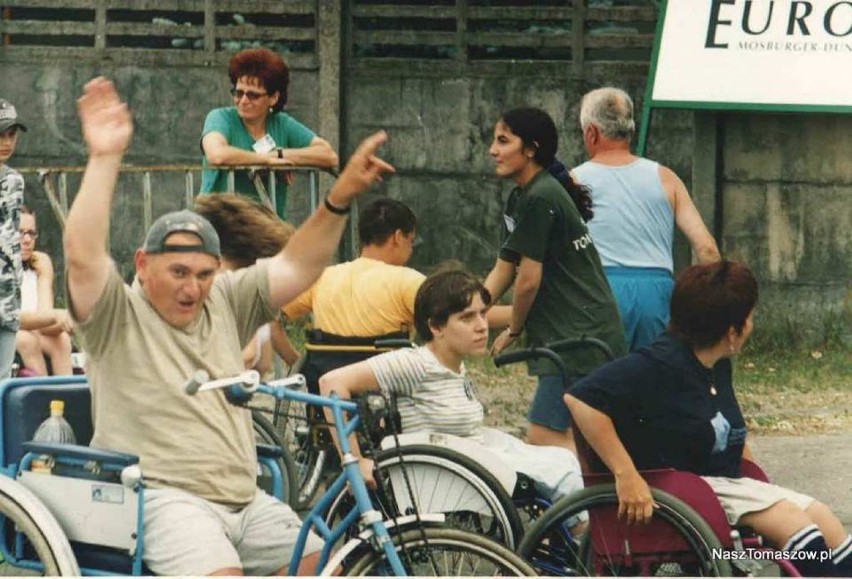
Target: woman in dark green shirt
column 560, row 290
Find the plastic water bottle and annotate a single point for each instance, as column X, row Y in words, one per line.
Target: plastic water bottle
column 55, row 429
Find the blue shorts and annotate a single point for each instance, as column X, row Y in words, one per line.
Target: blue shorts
column 548, row 408
column 642, row 295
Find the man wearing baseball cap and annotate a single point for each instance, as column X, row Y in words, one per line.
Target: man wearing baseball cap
column 11, row 271
column 203, row 512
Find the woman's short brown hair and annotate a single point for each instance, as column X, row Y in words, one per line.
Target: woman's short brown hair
column 708, row 299
column 264, row 65
column 247, row 230
column 442, row 294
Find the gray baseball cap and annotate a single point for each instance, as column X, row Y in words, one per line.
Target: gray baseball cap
column 184, row 221
column 9, row 116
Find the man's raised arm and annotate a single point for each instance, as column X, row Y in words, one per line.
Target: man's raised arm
column 107, row 129
column 312, row 245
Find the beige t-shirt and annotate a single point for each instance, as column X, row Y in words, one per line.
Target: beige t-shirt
column 138, row 365
column 362, row 297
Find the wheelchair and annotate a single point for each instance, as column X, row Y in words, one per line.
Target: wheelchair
column 689, row 534
column 67, row 509
column 302, row 429
column 473, row 488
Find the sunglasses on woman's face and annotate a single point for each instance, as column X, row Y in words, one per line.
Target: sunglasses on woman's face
column 251, row 95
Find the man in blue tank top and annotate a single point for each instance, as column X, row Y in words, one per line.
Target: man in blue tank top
column 637, row 203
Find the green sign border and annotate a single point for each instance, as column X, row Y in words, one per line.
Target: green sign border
column 648, row 102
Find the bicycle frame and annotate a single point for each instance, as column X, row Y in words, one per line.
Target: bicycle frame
column 279, row 389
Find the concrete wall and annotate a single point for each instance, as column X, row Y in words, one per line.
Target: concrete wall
column 441, row 126
column 784, row 206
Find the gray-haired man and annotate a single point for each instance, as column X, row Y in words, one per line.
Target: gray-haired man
column 637, row 203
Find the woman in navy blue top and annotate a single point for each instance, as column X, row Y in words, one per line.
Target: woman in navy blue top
column 672, row 405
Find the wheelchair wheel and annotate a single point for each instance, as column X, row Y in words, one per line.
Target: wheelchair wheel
column 442, row 481
column 265, row 433
column 24, row 548
column 440, row 552
column 295, row 429
column 676, row 543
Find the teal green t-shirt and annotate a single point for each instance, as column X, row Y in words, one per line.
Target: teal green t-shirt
column 286, row 131
column 574, row 300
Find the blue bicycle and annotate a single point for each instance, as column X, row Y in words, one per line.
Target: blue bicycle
column 414, row 544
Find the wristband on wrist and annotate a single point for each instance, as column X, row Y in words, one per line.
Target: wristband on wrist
column 514, row 334
column 335, row 209
column 280, row 153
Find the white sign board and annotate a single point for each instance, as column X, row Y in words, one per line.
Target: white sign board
column 773, row 54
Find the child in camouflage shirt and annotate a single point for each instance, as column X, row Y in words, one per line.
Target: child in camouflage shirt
column 11, row 199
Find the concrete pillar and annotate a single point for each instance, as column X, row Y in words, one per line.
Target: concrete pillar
column 328, row 55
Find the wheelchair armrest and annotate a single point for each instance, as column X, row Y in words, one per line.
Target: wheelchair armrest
column 120, row 459
column 269, row 451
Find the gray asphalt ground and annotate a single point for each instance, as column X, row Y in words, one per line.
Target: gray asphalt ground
column 819, row 465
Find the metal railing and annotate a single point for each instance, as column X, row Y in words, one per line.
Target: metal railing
column 54, row 182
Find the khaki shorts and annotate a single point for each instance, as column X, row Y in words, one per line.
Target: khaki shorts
column 740, row 496
column 187, row 535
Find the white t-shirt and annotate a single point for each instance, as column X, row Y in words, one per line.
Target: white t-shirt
column 29, row 291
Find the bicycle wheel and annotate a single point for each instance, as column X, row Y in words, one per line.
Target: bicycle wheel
column 442, row 481
column 440, row 552
column 265, row 433
column 295, row 430
column 26, row 550
column 676, row 543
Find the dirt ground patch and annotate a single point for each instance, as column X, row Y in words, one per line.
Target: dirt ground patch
column 506, row 394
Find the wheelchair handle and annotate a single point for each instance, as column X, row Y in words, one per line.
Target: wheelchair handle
column 393, row 343
column 531, row 354
column 550, row 350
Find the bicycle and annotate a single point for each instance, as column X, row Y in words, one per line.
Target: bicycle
column 414, row 544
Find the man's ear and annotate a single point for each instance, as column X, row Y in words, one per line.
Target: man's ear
column 434, row 328
column 140, row 260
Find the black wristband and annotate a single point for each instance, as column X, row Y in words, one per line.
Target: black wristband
column 337, row 210
column 513, row 334
column 280, row 153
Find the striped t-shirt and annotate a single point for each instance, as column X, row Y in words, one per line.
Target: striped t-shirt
column 430, row 396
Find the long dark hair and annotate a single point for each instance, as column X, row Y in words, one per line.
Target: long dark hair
column 537, row 131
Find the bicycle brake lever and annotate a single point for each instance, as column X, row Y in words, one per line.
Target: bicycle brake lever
column 248, row 381
column 294, row 381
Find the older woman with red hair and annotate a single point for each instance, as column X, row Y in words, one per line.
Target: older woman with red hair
column 256, row 131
